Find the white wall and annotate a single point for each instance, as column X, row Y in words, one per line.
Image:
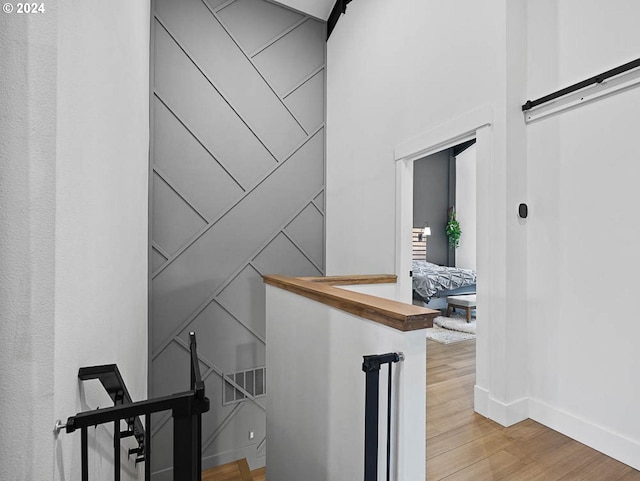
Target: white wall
column 101, row 208
column 399, row 69
column 385, row 88
column 27, row 228
column 583, row 226
column 73, row 226
column 315, row 408
column 541, row 351
column 466, row 207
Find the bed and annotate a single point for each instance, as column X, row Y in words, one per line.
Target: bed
column 433, row 283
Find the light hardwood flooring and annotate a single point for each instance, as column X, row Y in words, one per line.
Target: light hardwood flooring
column 234, row 471
column 462, row 445
column 259, row 474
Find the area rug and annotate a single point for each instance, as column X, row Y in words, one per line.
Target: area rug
column 447, row 330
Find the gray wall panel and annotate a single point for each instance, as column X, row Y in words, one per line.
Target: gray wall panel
column 187, row 163
column 162, row 448
column 306, row 230
column 431, row 203
column 170, row 362
column 227, row 66
column 215, row 4
column 282, row 257
column 223, row 335
column 307, row 101
column 294, row 57
column 174, row 221
column 255, row 22
column 319, row 201
column 186, row 91
column 157, row 259
column 226, row 440
column 245, row 297
column 208, row 262
column 238, row 193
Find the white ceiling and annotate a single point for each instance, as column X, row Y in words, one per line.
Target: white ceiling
column 316, row 8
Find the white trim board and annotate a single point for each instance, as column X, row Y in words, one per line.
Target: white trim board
column 612, row 444
column 444, row 136
column 506, row 414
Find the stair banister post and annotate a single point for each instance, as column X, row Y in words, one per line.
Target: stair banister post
column 371, row 367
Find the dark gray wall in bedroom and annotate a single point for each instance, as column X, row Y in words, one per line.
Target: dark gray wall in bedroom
column 431, row 201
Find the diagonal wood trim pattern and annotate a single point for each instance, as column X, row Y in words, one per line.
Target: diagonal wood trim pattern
column 401, row 316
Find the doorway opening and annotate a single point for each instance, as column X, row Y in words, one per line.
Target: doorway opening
column 473, row 125
column 444, row 278
column 470, row 375
column 444, row 226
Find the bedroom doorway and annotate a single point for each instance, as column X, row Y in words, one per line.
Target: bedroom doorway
column 444, row 273
column 444, row 244
column 444, row 185
column 475, row 125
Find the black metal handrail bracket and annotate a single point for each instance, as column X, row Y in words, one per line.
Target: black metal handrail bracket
column 186, row 408
column 112, row 381
column 371, row 367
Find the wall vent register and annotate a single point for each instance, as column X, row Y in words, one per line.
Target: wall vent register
column 242, row 385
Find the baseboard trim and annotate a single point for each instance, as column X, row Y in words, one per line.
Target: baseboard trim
column 506, row 414
column 481, row 400
column 612, row 444
column 618, row 447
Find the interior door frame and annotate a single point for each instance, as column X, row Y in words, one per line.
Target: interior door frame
column 476, row 124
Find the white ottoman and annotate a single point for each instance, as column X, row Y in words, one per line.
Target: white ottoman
column 467, row 302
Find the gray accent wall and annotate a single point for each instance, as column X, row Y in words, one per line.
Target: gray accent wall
column 237, row 175
column 431, row 201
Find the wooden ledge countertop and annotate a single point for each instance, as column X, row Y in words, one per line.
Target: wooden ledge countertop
column 401, row 316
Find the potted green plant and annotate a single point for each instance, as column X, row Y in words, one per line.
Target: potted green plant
column 452, row 229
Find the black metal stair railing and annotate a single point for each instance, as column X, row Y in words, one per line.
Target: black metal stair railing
column 111, row 379
column 371, row 367
column 186, row 408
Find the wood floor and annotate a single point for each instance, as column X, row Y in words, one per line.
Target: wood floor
column 234, row 471
column 462, row 445
column 259, row 474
